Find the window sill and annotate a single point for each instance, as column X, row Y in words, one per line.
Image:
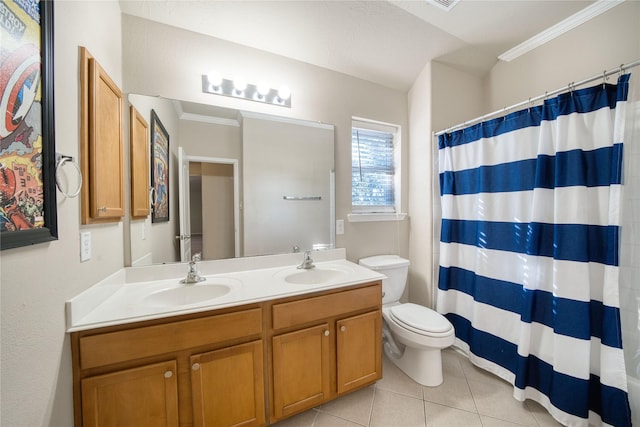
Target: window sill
column 371, row 217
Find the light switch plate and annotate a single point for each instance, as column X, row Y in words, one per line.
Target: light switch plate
column 85, row 246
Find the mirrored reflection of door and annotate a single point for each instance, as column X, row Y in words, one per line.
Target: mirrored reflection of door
column 208, row 195
column 212, row 210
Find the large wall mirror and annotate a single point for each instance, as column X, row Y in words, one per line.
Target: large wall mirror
column 240, row 184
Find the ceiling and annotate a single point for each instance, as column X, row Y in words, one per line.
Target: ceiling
column 385, row 42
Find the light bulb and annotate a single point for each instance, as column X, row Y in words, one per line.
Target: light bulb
column 263, row 89
column 215, row 79
column 284, row 93
column 240, row 84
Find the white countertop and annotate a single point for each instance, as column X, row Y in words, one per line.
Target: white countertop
column 124, row 296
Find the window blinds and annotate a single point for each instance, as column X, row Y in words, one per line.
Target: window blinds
column 373, row 170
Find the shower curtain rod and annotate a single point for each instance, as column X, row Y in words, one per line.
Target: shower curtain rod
column 570, row 86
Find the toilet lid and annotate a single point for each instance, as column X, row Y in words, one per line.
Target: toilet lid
column 420, row 317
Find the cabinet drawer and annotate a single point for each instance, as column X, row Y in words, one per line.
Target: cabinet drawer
column 120, row 346
column 325, row 306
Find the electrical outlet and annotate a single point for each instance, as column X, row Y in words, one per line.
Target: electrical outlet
column 340, row 226
column 85, row 246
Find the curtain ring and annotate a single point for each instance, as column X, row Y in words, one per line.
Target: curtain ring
column 604, row 79
column 152, row 194
column 61, row 160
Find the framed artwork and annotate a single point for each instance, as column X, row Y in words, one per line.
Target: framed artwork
column 159, row 170
column 27, row 148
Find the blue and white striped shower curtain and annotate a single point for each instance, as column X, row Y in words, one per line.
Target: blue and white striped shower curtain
column 529, row 251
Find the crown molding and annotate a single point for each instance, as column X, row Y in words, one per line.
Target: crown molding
column 560, row 28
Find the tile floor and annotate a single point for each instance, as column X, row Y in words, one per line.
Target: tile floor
column 468, row 397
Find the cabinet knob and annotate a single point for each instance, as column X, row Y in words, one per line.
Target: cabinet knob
column 326, row 333
column 343, row 328
column 168, row 374
column 103, row 209
column 195, row 366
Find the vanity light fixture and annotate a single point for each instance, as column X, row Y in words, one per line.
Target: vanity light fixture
column 239, row 88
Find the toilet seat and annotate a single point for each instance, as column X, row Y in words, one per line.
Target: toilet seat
column 421, row 320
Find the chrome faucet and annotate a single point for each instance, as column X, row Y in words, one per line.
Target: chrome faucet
column 193, row 276
column 307, row 262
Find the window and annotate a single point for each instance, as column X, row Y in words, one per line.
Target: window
column 374, row 167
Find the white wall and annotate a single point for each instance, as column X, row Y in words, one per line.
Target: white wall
column 37, row 280
column 440, row 97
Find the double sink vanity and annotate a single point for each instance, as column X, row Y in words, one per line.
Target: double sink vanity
column 256, row 341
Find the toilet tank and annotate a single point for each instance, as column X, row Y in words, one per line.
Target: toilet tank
column 395, row 268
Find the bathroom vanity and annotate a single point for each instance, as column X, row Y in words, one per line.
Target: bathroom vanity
column 273, row 346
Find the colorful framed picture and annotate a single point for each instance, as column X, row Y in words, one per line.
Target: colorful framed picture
column 159, row 170
column 27, row 148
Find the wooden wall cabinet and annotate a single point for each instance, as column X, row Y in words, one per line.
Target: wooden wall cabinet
column 102, row 143
column 139, row 157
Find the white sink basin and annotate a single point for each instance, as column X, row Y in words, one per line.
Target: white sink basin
column 187, row 294
column 316, row 275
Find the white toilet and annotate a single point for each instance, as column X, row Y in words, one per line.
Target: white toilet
column 413, row 335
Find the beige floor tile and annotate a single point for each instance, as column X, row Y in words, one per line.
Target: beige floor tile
column 328, row 420
column 494, row 422
column 542, row 416
column 393, row 379
column 451, row 366
column 396, row 410
column 473, row 373
column 453, row 392
column 304, row 419
column 468, row 397
column 445, row 416
column 496, row 400
column 355, row 407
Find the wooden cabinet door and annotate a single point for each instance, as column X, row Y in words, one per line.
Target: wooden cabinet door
column 359, row 350
column 139, row 158
column 301, row 376
column 102, row 143
column 106, row 145
column 228, row 386
column 145, row 396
